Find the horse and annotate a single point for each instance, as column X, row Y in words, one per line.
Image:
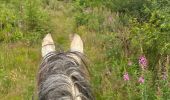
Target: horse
column 63, row 75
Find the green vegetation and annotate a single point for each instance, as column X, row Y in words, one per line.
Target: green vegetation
column 124, row 40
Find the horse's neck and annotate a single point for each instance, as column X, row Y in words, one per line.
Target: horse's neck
column 75, row 57
column 75, row 89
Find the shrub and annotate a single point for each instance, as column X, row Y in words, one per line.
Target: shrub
column 19, row 18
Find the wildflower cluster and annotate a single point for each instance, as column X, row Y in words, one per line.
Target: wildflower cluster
column 141, row 79
column 126, row 76
column 143, row 63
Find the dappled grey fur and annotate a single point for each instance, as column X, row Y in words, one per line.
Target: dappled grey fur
column 58, row 72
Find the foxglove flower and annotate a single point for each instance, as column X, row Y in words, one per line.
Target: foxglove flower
column 143, row 62
column 141, row 79
column 126, row 76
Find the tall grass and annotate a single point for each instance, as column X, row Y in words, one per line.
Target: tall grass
column 115, row 34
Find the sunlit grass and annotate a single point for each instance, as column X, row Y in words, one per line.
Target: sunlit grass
column 19, row 64
column 19, row 61
column 106, row 45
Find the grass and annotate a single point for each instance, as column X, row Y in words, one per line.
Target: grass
column 107, row 47
column 19, row 61
column 19, row 65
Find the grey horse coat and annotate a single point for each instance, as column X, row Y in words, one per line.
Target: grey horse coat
column 61, row 77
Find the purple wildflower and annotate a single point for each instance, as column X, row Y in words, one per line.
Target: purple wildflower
column 141, row 79
column 143, row 62
column 126, row 76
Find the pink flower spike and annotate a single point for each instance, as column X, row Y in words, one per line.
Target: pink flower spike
column 126, row 76
column 141, row 79
column 143, row 62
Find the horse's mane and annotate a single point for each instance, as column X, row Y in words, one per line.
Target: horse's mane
column 59, row 73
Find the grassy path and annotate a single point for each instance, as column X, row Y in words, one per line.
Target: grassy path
column 19, row 61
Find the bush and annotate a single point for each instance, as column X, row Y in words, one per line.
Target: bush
column 131, row 29
column 19, row 18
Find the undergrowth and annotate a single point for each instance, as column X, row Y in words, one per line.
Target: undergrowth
column 127, row 43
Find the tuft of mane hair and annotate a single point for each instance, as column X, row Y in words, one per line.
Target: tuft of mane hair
column 61, row 77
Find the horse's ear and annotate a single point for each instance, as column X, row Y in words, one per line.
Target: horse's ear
column 76, row 43
column 47, row 45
